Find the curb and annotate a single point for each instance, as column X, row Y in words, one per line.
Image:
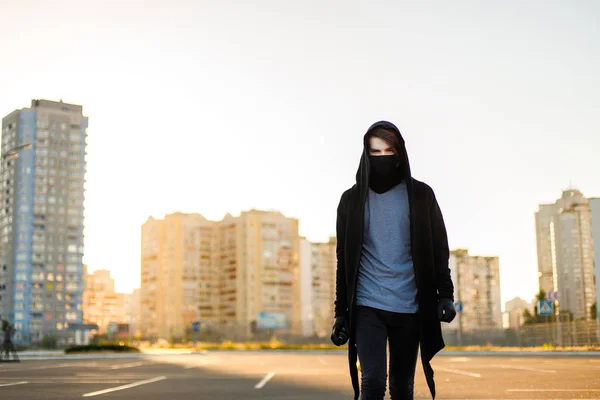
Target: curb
column 450, row 353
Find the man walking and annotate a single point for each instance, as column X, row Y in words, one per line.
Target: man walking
column 393, row 281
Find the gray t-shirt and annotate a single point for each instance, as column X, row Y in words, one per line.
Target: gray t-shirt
column 386, row 277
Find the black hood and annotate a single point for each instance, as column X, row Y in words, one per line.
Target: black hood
column 363, row 173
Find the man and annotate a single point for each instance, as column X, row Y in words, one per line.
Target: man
column 393, row 281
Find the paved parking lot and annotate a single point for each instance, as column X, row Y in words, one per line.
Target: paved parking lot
column 264, row 375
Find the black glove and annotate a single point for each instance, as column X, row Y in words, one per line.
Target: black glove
column 446, row 310
column 339, row 333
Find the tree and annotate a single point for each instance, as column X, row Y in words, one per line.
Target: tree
column 541, row 295
column 49, row 342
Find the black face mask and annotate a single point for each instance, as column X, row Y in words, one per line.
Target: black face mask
column 385, row 173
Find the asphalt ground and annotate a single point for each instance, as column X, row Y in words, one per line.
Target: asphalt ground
column 265, row 375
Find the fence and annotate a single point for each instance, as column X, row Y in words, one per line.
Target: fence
column 557, row 334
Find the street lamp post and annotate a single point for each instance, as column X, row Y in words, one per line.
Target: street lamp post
column 14, row 152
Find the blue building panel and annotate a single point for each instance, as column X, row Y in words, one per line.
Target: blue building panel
column 23, row 235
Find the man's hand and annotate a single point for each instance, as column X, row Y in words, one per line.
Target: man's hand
column 339, row 333
column 446, row 310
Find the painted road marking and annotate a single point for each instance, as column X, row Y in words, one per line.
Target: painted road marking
column 266, row 379
column 60, row 380
column 457, row 371
column 103, row 375
column 322, row 361
column 75, row 381
column 129, row 365
column 158, row 378
column 548, row 371
column 460, row 359
column 13, row 384
column 64, row 365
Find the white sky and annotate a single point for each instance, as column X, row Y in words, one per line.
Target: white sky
column 215, row 107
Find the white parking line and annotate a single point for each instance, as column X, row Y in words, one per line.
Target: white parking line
column 322, row 361
column 266, row 379
column 58, row 379
column 460, row 359
column 548, row 371
column 64, row 365
column 457, row 371
column 13, row 384
column 158, row 378
column 75, row 381
column 130, row 365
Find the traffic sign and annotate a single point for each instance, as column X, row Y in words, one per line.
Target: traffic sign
column 458, row 306
column 196, row 326
column 552, row 295
column 545, row 307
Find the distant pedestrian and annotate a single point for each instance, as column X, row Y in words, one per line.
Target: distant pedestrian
column 393, row 281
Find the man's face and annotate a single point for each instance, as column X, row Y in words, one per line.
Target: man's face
column 379, row 147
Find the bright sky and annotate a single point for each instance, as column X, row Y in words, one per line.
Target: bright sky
column 211, row 107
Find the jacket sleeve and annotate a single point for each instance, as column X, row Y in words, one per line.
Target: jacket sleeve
column 441, row 253
column 341, row 299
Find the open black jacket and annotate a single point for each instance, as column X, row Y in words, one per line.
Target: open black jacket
column 430, row 254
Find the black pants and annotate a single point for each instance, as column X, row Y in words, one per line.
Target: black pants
column 373, row 329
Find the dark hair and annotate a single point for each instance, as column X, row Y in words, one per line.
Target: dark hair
column 388, row 136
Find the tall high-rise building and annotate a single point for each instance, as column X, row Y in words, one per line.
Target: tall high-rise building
column 179, row 278
column 323, row 285
column 221, row 274
column 258, row 255
column 318, row 263
column 515, row 310
column 101, row 304
column 565, row 252
column 477, row 286
column 595, row 208
column 305, row 281
column 41, row 219
column 133, row 312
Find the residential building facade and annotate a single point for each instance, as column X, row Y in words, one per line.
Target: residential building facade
column 566, row 254
column 101, row 304
column 219, row 274
column 595, row 210
column 477, row 286
column 178, row 275
column 41, row 219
